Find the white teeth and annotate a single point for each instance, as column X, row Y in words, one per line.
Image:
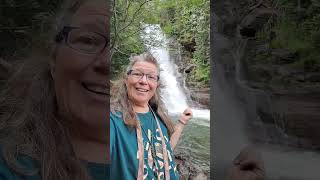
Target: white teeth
column 142, row 90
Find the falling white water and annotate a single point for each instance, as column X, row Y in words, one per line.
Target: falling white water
column 173, row 95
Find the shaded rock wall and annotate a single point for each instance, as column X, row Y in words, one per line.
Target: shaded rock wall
column 276, row 114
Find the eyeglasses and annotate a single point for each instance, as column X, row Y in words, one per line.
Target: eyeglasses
column 83, row 40
column 138, row 75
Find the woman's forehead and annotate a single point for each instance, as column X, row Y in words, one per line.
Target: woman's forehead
column 145, row 66
column 93, row 14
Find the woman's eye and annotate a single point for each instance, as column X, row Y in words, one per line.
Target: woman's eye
column 152, row 77
column 87, row 40
column 137, row 74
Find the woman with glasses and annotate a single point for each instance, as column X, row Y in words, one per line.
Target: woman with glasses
column 54, row 117
column 142, row 136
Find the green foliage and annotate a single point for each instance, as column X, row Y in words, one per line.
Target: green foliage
column 188, row 21
column 203, row 74
column 298, row 30
column 126, row 26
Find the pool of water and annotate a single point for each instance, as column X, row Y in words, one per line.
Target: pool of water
column 195, row 142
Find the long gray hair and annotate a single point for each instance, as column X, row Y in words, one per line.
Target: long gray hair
column 120, row 101
column 30, row 124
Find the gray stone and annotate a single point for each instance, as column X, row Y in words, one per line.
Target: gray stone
column 189, row 68
column 188, row 170
column 283, row 56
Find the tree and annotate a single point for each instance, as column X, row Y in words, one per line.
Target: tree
column 126, row 26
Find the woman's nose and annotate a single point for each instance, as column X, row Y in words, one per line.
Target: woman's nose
column 144, row 79
column 102, row 62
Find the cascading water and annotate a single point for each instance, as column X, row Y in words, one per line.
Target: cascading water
column 195, row 141
column 173, row 95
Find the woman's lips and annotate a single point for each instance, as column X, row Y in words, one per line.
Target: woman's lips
column 142, row 90
column 96, row 88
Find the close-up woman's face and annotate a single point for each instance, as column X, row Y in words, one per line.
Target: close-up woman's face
column 81, row 66
column 142, row 89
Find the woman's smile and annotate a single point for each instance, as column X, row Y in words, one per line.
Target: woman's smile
column 142, row 90
column 96, row 91
column 95, row 88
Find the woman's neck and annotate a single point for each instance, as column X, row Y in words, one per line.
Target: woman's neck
column 141, row 108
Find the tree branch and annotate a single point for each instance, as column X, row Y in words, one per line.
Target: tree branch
column 134, row 15
column 114, row 25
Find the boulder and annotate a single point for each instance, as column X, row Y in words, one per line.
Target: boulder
column 189, row 68
column 188, row 170
column 283, row 56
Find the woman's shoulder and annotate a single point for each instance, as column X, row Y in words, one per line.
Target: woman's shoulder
column 117, row 124
column 116, row 115
column 116, row 118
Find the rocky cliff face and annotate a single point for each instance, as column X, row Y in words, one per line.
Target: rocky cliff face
column 278, row 113
column 199, row 93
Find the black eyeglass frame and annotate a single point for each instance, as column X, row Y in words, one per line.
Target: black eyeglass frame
column 130, row 71
column 64, row 35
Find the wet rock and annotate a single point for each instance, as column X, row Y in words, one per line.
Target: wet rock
column 261, row 73
column 283, row 56
column 262, row 49
column 312, row 77
column 255, row 20
column 202, row 96
column 288, row 118
column 188, row 170
column 189, row 46
column 189, row 68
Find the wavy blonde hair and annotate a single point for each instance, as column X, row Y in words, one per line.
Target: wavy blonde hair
column 120, row 101
column 30, row 123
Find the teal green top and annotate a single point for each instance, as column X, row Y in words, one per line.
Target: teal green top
column 97, row 171
column 124, row 149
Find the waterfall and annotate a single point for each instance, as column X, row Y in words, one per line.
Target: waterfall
column 173, row 94
column 230, row 115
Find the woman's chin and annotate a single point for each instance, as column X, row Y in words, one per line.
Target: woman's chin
column 140, row 100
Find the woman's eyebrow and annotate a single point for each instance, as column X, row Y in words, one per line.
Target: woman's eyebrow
column 146, row 71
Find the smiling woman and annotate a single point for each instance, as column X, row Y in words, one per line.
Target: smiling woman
column 53, row 114
column 141, row 87
column 142, row 136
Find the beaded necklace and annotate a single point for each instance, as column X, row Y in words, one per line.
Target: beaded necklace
column 141, row 150
column 152, row 146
